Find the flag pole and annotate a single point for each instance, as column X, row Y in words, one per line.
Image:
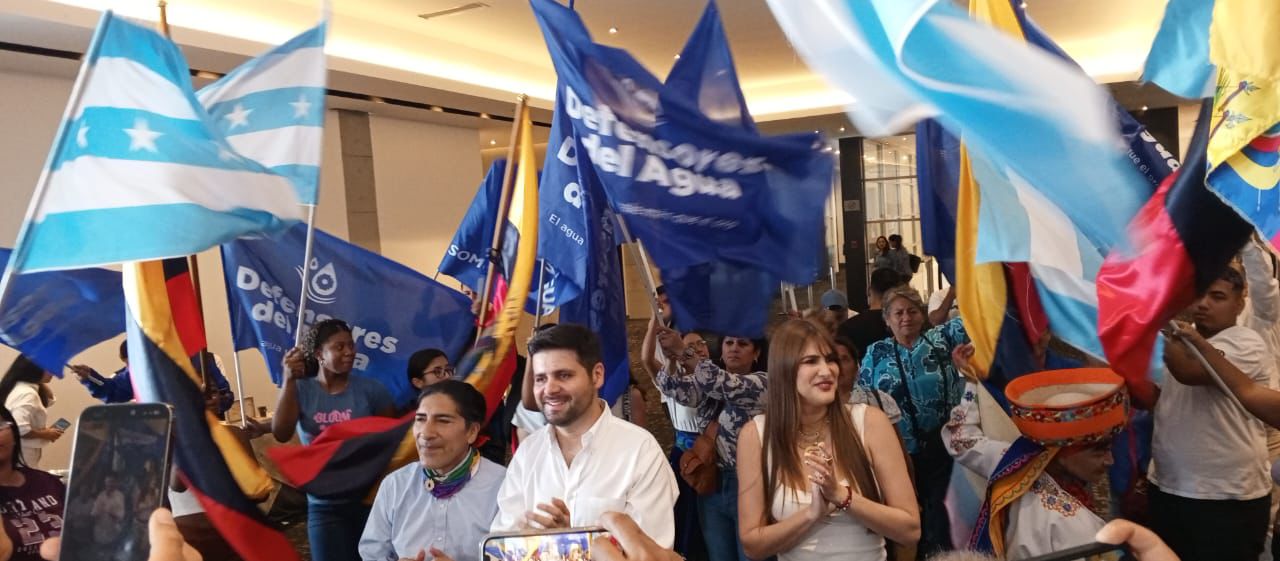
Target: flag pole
column 235, row 363
column 504, row 206
column 1217, row 380
column 193, row 261
column 542, row 273
column 42, row 184
column 651, row 283
column 306, row 271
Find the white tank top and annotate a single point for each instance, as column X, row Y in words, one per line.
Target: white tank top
column 838, row 536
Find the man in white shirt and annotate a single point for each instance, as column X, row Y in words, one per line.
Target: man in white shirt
column 1211, row 487
column 586, row 462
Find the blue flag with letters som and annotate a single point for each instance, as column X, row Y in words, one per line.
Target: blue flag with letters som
column 681, row 163
column 467, row 258
column 54, row 316
column 393, row 310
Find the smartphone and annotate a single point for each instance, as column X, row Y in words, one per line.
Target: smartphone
column 1083, row 552
column 119, row 475
column 572, row 544
column 62, row 424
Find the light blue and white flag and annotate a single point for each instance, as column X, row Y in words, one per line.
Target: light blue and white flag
column 271, row 109
column 1025, row 109
column 139, row 170
column 1179, row 57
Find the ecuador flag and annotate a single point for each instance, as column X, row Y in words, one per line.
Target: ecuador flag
column 348, row 459
column 214, row 464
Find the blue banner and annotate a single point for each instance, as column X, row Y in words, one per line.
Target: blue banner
column 467, row 259
column 52, row 317
column 393, row 310
column 695, row 189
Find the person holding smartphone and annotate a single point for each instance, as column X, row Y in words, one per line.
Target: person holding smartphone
column 443, row 504
column 1037, row 495
column 20, row 393
column 320, row 391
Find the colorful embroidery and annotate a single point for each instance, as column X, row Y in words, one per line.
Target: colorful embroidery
column 1042, row 415
column 1054, row 498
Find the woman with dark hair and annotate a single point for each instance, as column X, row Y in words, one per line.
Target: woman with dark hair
column 883, row 261
column 30, row 499
column 444, row 503
column 427, row 367
column 319, row 391
column 730, row 396
column 819, row 479
column 20, row 393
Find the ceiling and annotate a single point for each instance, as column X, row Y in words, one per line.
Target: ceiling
column 481, row 58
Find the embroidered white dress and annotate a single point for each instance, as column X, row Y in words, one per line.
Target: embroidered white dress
column 1046, row 518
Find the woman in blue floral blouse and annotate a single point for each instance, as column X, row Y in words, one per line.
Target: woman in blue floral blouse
column 914, row 367
column 737, row 391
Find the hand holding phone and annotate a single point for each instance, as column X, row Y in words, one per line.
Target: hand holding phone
column 1079, row 552
column 62, row 424
column 119, row 476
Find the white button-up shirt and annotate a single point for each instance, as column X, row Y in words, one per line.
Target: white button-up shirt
column 620, row 468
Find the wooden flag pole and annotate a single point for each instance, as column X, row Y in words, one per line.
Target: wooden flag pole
column 193, row 261
column 504, row 206
column 650, row 282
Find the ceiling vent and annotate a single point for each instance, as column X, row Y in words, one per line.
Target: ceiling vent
column 454, row 10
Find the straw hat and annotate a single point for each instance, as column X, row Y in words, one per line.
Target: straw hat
column 1066, row 407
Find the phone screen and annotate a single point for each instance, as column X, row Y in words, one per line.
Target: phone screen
column 62, row 424
column 573, row 544
column 119, row 475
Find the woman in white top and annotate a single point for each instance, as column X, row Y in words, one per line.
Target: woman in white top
column 819, row 479
column 20, row 390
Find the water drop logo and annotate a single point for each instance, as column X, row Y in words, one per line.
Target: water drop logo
column 323, row 285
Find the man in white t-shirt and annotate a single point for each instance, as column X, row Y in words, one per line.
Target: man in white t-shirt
column 586, row 462
column 1211, row 486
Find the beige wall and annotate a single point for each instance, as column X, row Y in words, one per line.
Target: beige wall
column 426, row 175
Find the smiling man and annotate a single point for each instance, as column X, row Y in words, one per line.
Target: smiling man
column 585, row 462
column 442, row 506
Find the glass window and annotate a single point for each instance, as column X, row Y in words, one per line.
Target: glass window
column 892, row 203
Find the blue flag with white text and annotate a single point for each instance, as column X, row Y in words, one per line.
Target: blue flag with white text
column 393, row 310
column 698, row 188
column 467, row 259
column 54, row 316
column 271, row 109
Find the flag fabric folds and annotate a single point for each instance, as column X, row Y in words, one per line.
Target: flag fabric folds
column 138, row 170
column 937, row 187
column 393, row 310
column 1179, row 57
column 221, row 472
column 1018, row 106
column 54, row 316
column 1182, row 240
column 490, row 365
column 467, row 258
column 695, row 188
column 348, row 459
column 271, row 109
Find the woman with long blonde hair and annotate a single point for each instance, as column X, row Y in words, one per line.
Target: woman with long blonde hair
column 819, row 479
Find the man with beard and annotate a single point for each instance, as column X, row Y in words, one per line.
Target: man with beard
column 585, row 462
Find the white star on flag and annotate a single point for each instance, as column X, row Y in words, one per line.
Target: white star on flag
column 301, row 107
column 238, row 117
column 141, row 137
column 82, row 136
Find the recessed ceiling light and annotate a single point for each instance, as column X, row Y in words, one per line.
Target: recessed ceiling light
column 817, row 132
column 613, row 31
column 1144, row 107
column 841, row 129
column 437, row 109
column 492, row 142
column 484, row 115
column 677, row 57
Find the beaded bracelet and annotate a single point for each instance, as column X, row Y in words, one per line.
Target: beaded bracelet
column 847, row 501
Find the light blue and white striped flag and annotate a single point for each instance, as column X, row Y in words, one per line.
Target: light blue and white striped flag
column 139, row 170
column 1022, row 107
column 271, row 109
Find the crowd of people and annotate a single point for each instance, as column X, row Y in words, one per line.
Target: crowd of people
column 835, row 437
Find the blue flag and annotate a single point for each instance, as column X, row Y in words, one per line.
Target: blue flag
column 54, row 316
column 698, row 189
column 467, row 258
column 393, row 310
